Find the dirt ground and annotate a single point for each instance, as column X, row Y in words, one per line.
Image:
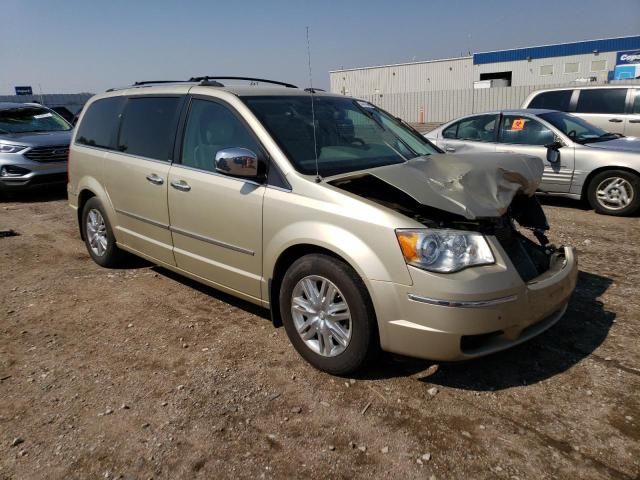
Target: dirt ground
column 138, row 373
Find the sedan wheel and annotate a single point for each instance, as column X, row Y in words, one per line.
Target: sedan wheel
column 615, row 193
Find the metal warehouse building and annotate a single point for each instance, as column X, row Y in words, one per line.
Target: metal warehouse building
column 406, row 89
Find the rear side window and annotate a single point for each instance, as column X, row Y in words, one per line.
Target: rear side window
column 478, row 129
column 604, row 100
column 555, row 100
column 149, row 126
column 100, row 123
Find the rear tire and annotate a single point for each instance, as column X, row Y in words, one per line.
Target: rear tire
column 615, row 192
column 332, row 311
column 98, row 235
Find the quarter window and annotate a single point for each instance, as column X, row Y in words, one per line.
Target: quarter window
column 451, row 131
column 149, row 126
column 524, row 131
column 99, row 124
column 212, row 127
column 602, row 100
column 554, row 100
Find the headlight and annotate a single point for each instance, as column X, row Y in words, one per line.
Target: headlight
column 444, row 251
column 6, row 148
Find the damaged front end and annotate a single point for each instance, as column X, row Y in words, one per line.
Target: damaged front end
column 492, row 194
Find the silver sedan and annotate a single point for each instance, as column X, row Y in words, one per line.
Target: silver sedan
column 581, row 160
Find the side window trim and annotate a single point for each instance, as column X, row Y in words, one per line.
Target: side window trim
column 573, row 101
column 629, row 101
column 635, row 97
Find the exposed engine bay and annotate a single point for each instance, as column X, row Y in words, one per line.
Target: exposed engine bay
column 530, row 258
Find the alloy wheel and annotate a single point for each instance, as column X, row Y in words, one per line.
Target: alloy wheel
column 321, row 315
column 97, row 232
column 615, row 193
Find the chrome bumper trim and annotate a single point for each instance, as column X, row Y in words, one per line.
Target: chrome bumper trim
column 461, row 303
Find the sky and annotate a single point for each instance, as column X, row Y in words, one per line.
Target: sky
column 71, row 46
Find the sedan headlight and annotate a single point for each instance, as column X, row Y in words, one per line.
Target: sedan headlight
column 444, row 251
column 7, row 148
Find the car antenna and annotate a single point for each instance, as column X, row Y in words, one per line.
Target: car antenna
column 313, row 110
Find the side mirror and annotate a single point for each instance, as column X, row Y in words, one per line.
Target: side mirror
column 553, row 155
column 553, row 150
column 237, row 162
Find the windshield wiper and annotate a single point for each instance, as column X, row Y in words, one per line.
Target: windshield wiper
column 602, row 138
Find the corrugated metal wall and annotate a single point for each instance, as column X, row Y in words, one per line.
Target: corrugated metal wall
column 440, row 107
column 449, row 74
column 73, row 101
column 460, row 73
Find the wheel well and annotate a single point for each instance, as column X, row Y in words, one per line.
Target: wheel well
column 587, row 181
column 83, row 198
column 285, row 260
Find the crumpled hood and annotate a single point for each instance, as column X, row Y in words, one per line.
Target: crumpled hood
column 628, row 144
column 472, row 185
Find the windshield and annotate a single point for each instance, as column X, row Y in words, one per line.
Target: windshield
column 349, row 135
column 26, row 119
column 577, row 129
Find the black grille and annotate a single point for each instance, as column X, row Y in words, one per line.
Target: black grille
column 48, row 154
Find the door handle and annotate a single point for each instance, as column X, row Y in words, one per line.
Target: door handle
column 634, row 121
column 155, row 179
column 615, row 120
column 449, row 149
column 181, row 185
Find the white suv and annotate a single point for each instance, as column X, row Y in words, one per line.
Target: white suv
column 613, row 108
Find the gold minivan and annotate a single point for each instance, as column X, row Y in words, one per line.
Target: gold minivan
column 355, row 231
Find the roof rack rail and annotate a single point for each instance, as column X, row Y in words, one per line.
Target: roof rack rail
column 207, row 80
column 150, row 82
column 147, row 83
column 204, row 81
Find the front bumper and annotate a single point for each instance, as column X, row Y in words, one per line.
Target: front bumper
column 453, row 324
column 39, row 174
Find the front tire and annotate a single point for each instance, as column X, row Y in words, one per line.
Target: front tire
column 615, row 192
column 98, row 235
column 328, row 315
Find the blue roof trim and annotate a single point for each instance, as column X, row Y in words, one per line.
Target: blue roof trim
column 560, row 50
